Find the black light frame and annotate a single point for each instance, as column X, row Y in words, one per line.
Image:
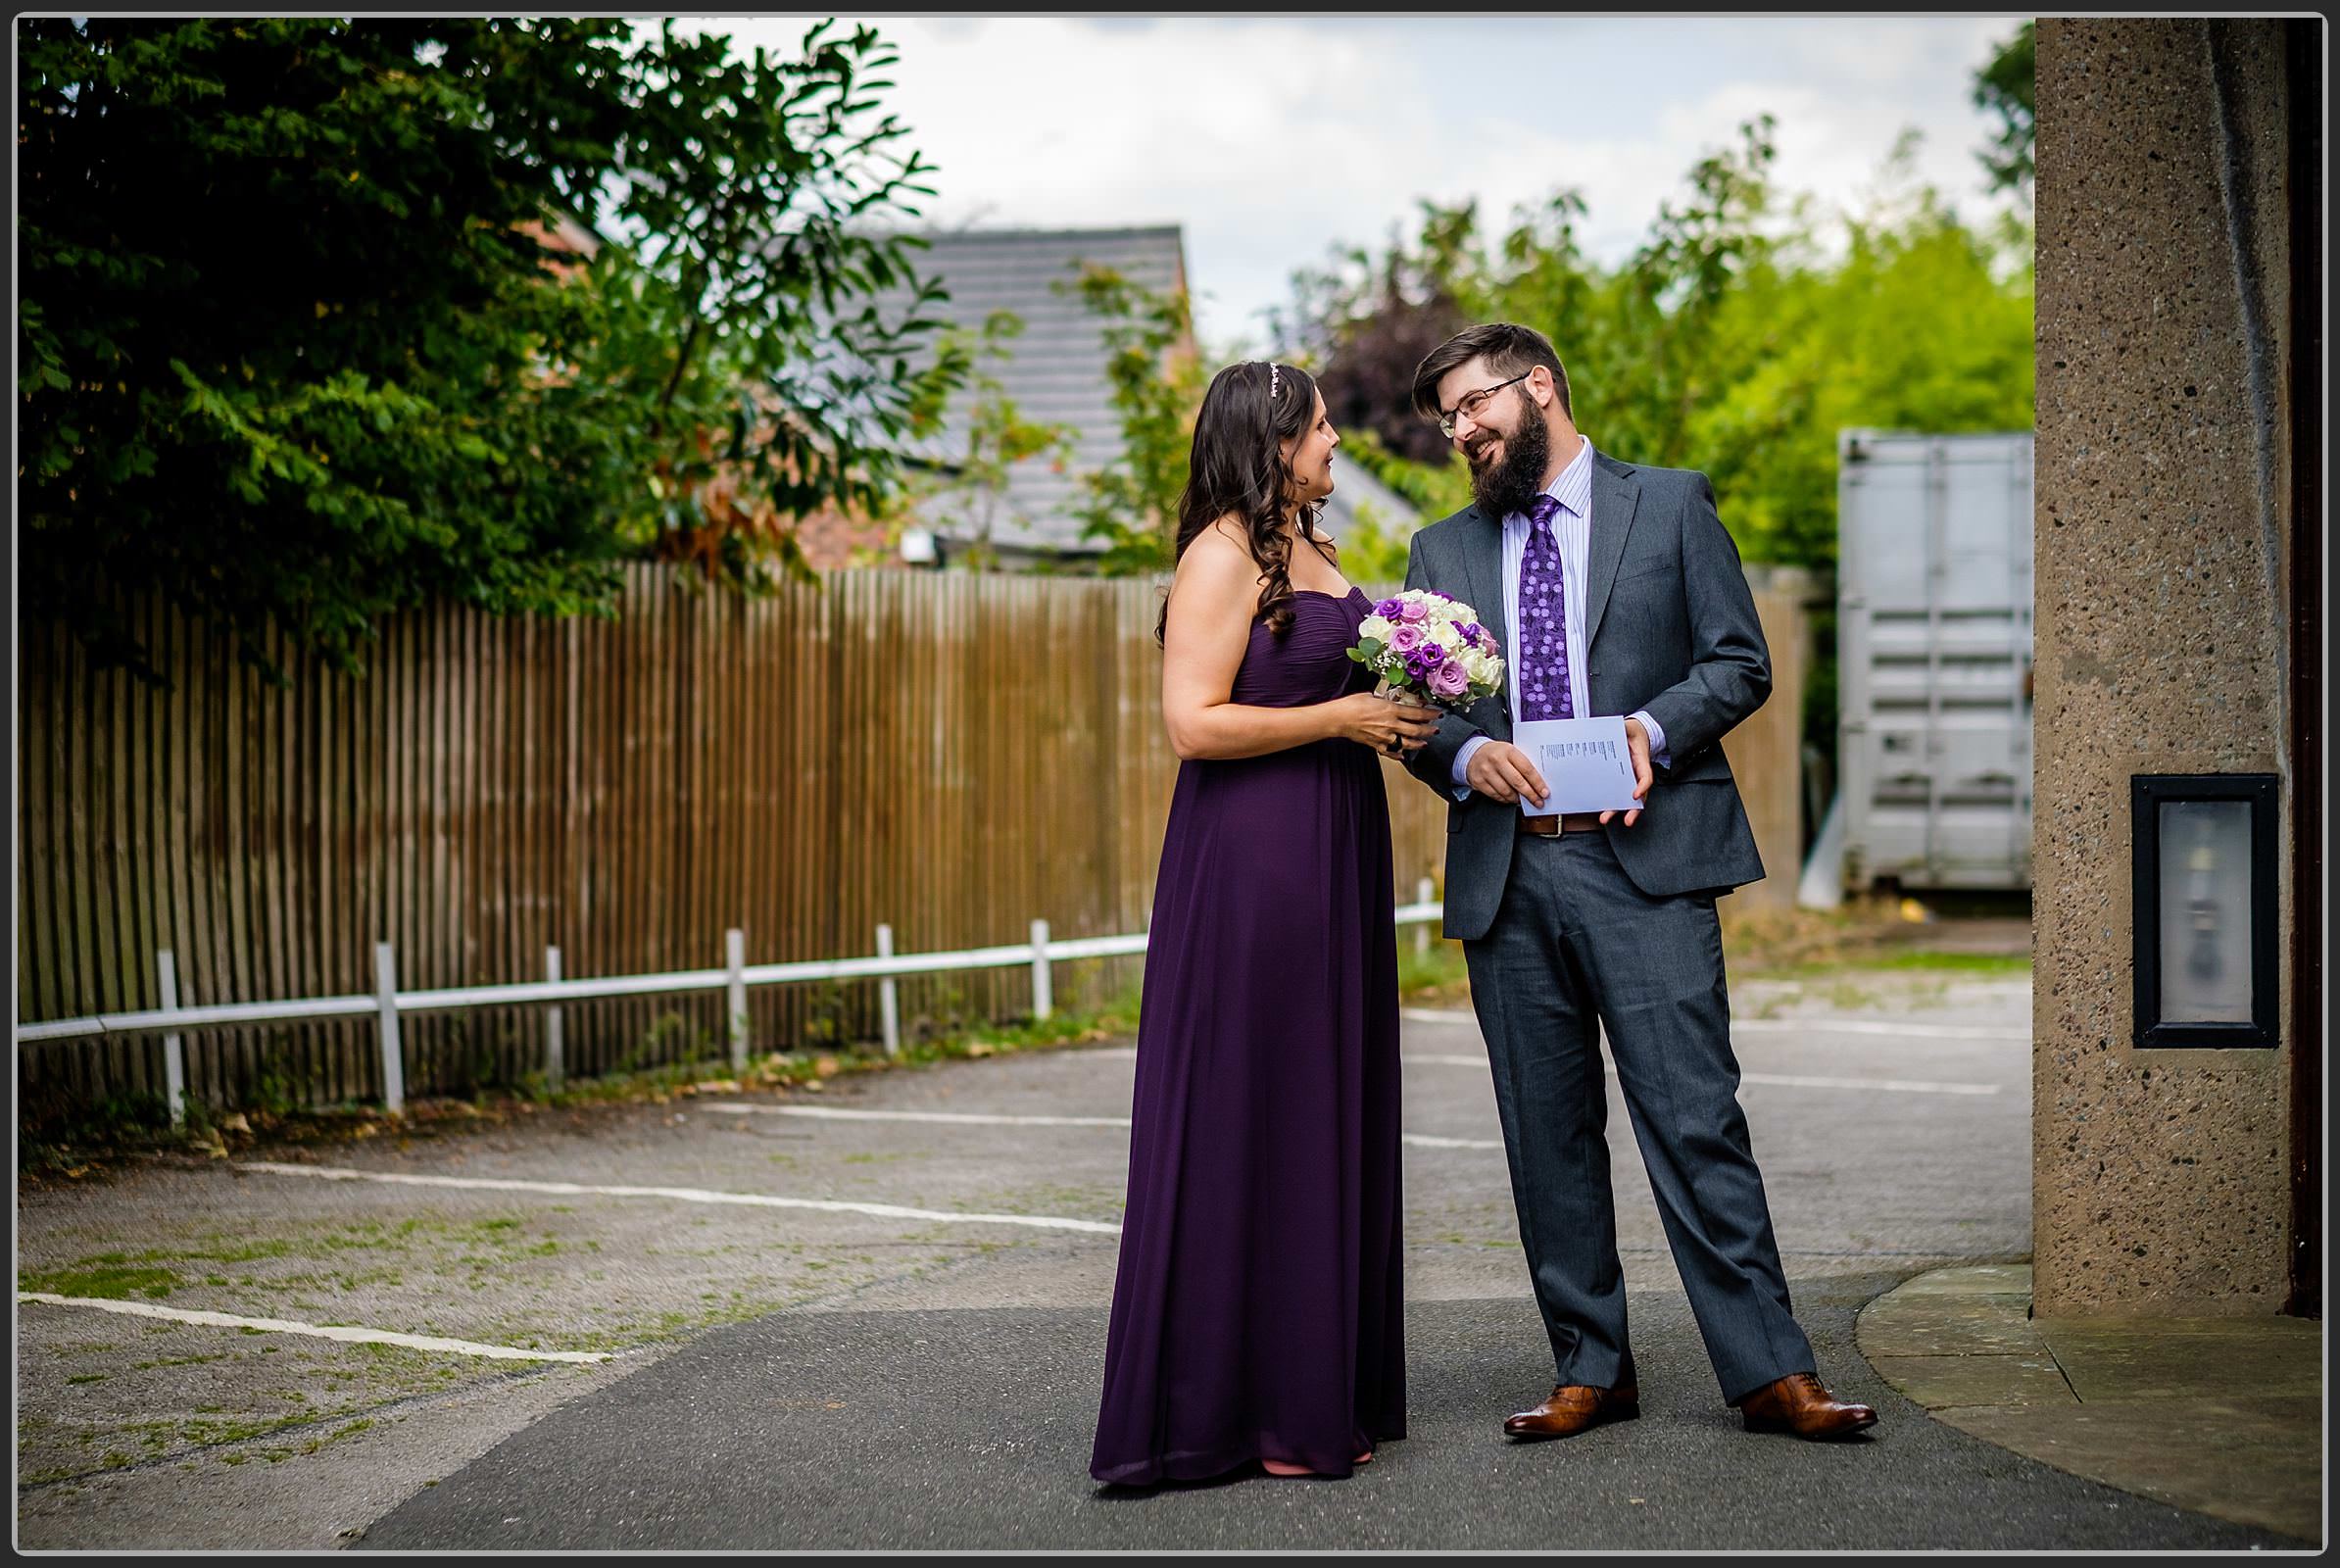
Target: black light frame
column 2147, row 793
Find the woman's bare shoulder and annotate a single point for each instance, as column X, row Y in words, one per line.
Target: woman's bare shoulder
column 1218, row 565
column 1222, row 549
column 1230, row 531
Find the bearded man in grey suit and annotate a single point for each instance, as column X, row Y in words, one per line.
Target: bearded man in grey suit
column 1633, row 601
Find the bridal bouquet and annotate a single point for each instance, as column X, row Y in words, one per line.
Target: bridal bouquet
column 1429, row 649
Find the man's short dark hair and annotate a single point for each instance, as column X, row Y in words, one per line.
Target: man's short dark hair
column 1510, row 350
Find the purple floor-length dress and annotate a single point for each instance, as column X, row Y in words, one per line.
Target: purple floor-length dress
column 1259, row 1307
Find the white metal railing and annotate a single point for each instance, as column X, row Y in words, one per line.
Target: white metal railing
column 387, row 1003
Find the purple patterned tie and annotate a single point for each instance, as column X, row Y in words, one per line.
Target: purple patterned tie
column 1543, row 619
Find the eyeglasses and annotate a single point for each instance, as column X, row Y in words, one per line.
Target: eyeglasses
column 1469, row 402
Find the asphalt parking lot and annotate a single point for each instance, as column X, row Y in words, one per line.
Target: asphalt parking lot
column 874, row 1316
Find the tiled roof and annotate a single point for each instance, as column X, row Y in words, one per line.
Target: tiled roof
column 1057, row 372
column 1353, row 487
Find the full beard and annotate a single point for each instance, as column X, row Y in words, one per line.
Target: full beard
column 1513, row 482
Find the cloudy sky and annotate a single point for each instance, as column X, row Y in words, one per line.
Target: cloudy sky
column 1272, row 139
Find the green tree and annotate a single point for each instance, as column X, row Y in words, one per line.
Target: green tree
column 752, row 292
column 1363, row 327
column 295, row 352
column 1739, row 338
column 1157, row 383
column 2004, row 86
column 1743, row 334
column 971, row 488
column 1378, row 545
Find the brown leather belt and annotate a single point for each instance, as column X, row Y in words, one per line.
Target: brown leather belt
column 1552, row 828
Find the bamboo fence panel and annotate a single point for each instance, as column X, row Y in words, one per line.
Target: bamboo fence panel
column 950, row 754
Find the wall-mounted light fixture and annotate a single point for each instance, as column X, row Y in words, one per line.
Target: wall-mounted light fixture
column 2203, row 849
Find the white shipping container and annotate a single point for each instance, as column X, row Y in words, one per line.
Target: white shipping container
column 1933, row 648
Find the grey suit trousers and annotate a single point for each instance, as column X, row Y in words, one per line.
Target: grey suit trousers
column 1577, row 943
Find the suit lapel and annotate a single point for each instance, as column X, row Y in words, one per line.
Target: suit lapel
column 1615, row 492
column 1482, row 562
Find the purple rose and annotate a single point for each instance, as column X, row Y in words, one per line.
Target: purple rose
column 1405, row 637
column 1390, row 610
column 1433, row 656
column 1414, row 609
column 1448, row 680
column 1473, row 632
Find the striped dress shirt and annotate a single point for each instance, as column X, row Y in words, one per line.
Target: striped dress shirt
column 1572, row 529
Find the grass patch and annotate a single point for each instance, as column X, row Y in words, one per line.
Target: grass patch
column 1993, row 964
column 155, row 1272
column 1798, row 943
column 108, row 1278
column 1433, row 976
column 350, row 1430
column 1912, row 960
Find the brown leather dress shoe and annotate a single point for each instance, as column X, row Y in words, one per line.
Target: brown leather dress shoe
column 1800, row 1404
column 1575, row 1406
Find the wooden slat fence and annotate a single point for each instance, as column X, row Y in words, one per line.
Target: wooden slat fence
column 953, row 754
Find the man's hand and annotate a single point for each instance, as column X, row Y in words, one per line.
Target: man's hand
column 1637, row 741
column 1501, row 771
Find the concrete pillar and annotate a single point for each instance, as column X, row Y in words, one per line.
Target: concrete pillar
column 2163, row 535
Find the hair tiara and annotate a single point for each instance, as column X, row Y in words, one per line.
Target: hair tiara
column 1275, row 380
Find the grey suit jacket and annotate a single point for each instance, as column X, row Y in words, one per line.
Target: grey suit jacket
column 1672, row 629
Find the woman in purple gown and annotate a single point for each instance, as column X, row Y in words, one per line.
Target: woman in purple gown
column 1258, row 1309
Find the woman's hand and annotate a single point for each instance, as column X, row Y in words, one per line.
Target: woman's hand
column 1394, row 730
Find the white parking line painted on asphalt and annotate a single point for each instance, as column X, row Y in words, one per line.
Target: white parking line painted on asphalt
column 1832, row 1026
column 684, row 1195
column 1777, row 1080
column 321, row 1331
column 972, row 1119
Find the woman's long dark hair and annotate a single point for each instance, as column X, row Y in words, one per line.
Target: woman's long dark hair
column 1238, row 467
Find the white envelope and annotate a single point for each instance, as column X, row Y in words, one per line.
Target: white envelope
column 1586, row 763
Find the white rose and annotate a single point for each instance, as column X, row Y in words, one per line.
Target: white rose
column 1375, row 626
